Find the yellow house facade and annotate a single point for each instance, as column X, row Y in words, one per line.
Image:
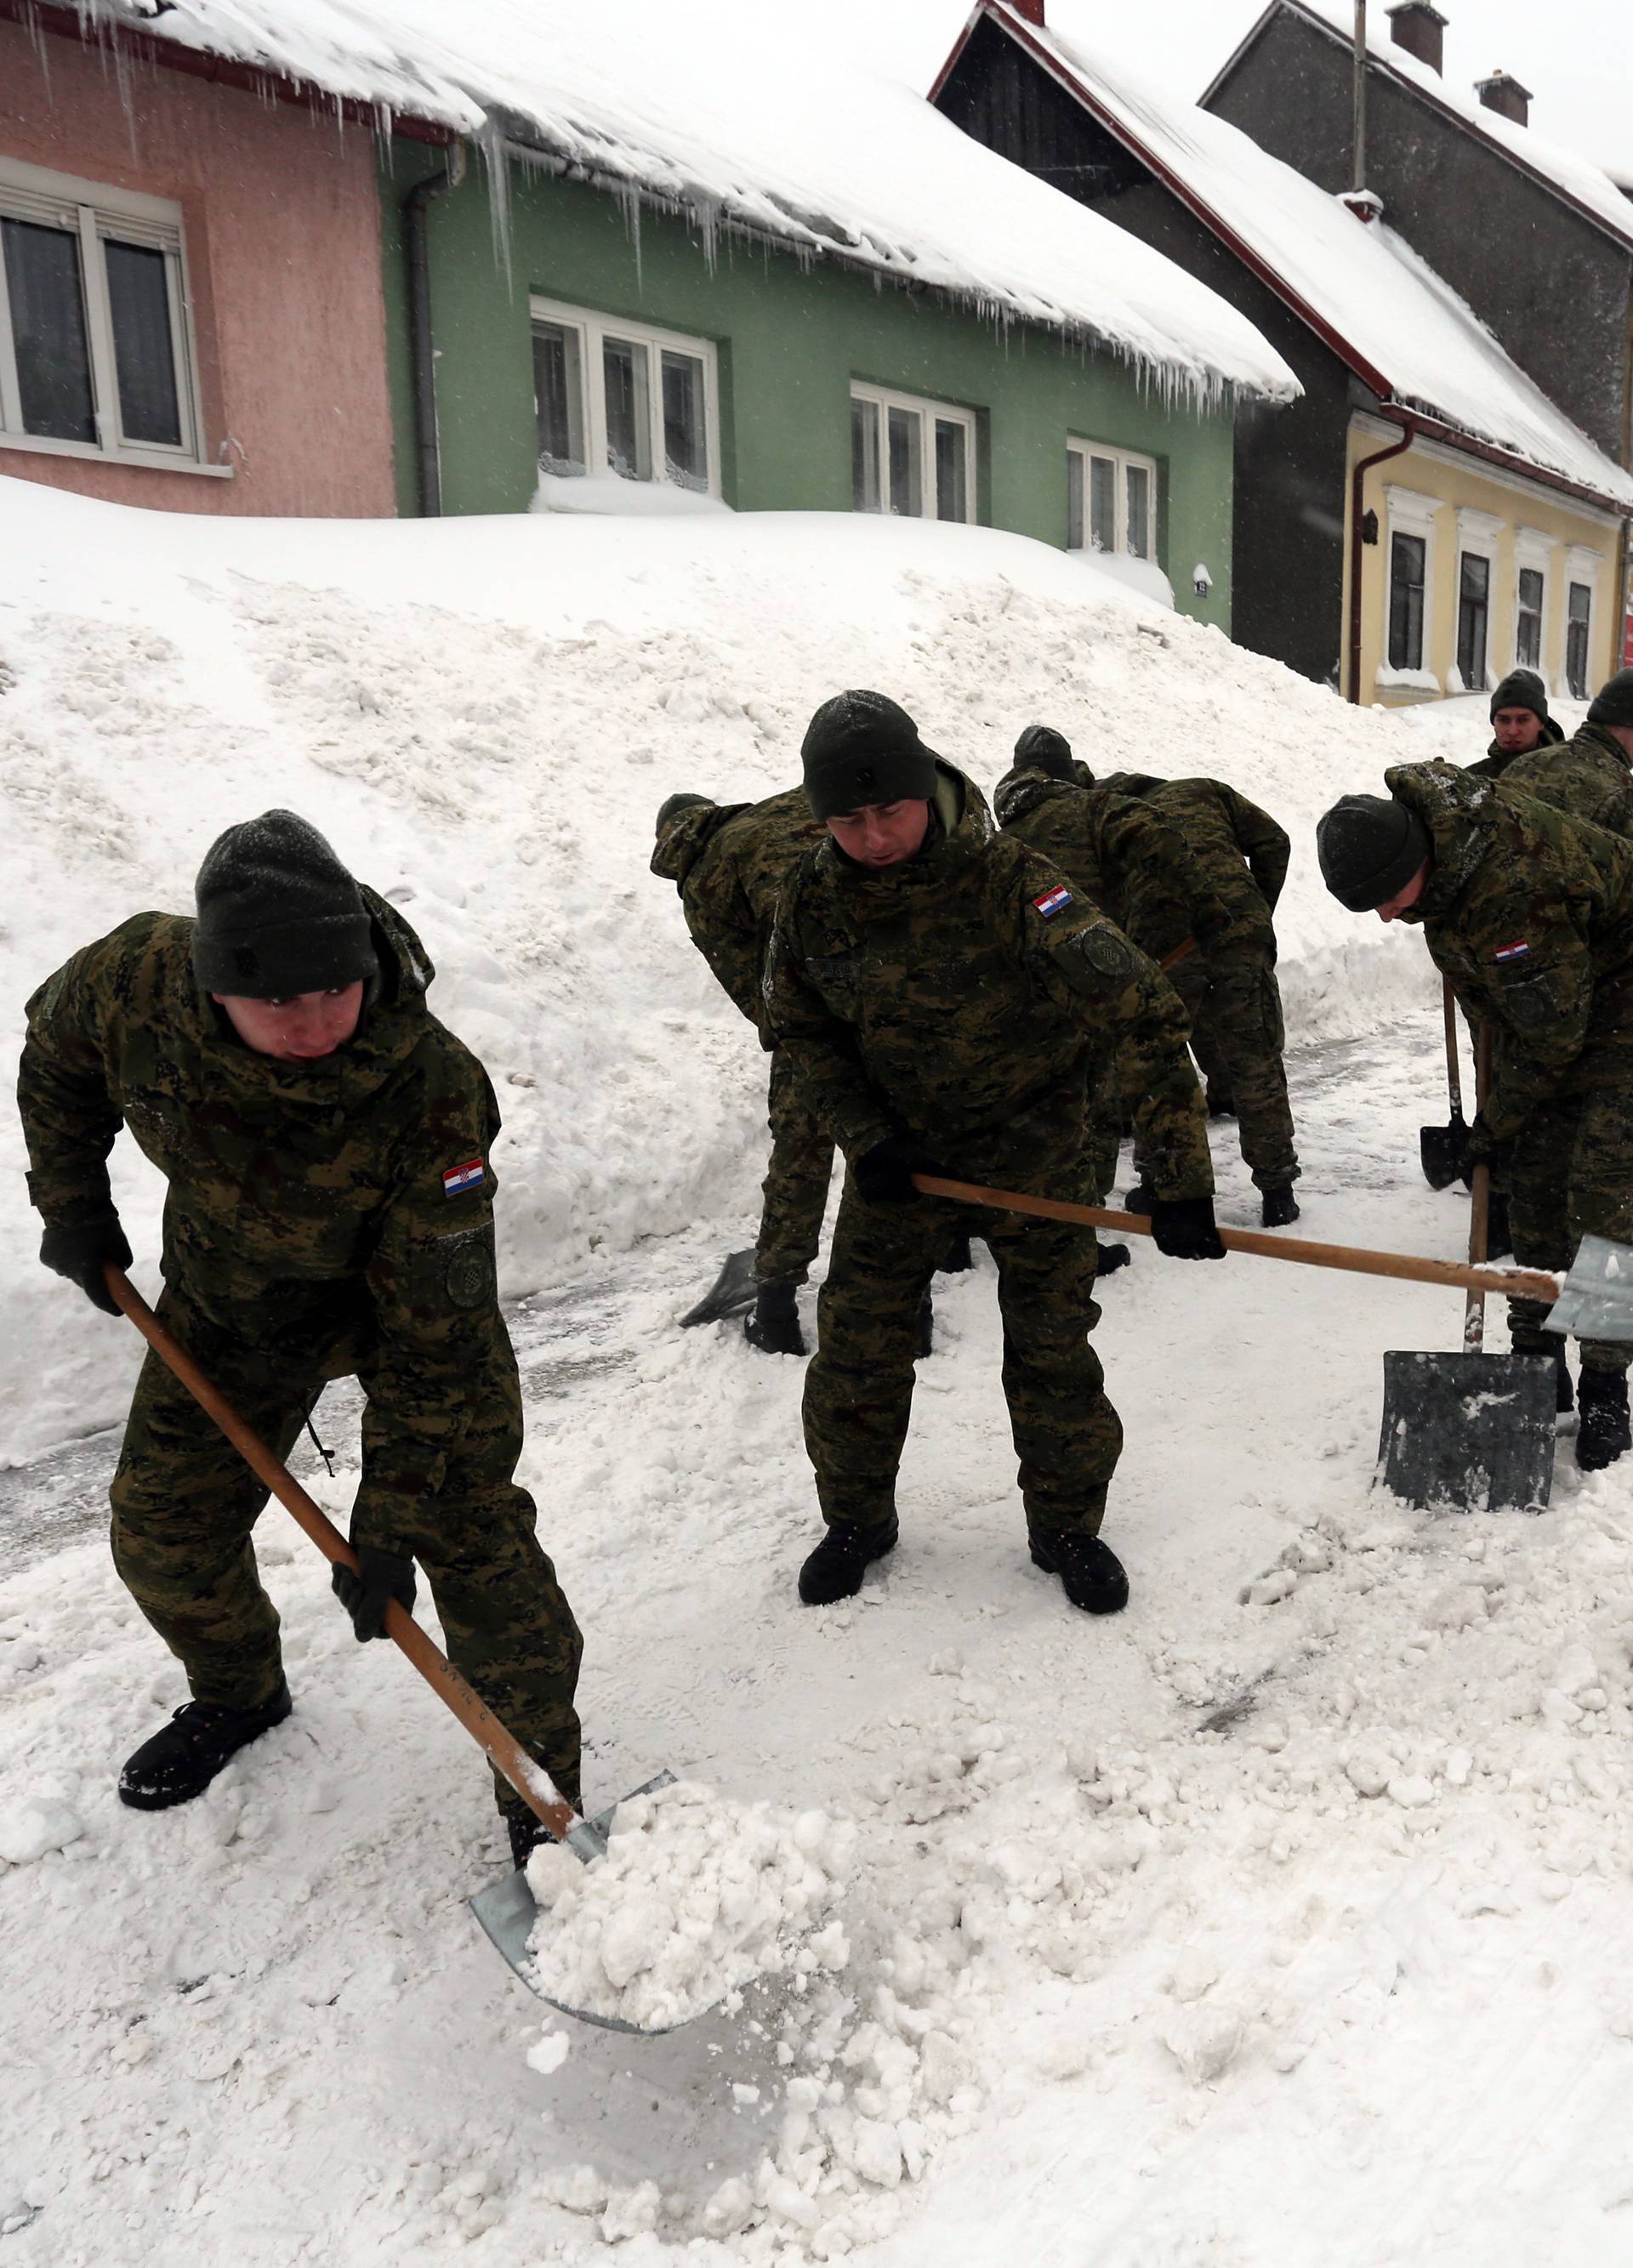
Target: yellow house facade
column 1468, row 570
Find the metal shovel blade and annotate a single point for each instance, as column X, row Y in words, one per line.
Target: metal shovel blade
column 509, row 1913
column 1596, row 1301
column 731, row 1294
column 1474, row 1433
column 1443, row 1149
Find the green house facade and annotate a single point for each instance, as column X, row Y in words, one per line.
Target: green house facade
column 580, row 333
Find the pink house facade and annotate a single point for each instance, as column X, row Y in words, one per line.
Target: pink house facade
column 192, row 316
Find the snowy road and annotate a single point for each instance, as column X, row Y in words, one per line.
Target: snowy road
column 1347, row 1981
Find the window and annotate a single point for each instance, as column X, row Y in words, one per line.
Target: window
column 1528, row 619
column 95, row 354
column 1111, row 501
column 913, row 458
column 1579, row 629
column 1474, row 606
column 620, row 398
column 1408, row 563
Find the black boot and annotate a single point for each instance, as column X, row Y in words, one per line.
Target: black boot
column 926, row 1327
column 958, row 1259
column 1090, row 1572
column 1111, row 1257
column 1140, row 1199
column 1602, row 1436
column 834, row 1570
column 774, row 1326
column 1279, row 1207
column 1565, row 1401
column 180, row 1762
column 1220, row 1105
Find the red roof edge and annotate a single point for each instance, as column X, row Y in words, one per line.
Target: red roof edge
column 217, row 71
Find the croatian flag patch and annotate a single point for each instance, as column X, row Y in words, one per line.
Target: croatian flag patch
column 458, row 1178
column 1051, row 901
column 1518, row 951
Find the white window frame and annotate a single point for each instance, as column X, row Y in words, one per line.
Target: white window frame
column 1477, row 533
column 1582, row 565
column 1123, row 458
column 1533, row 553
column 96, row 213
column 1408, row 512
column 594, row 326
column 929, row 412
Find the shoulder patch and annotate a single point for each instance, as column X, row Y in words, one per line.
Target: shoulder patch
column 1105, row 952
column 1517, row 951
column 1051, row 901
column 457, row 1179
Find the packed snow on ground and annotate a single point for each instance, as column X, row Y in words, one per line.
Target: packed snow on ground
column 1279, row 1922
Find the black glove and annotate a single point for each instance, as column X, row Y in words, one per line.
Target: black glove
column 1183, row 1228
column 77, row 1248
column 384, row 1576
column 884, row 1173
column 1480, row 1148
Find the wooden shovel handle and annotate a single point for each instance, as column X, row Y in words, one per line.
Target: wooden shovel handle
column 1454, row 1077
column 1518, row 1282
column 531, row 1782
column 1479, row 1203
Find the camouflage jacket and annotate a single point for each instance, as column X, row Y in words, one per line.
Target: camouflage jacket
column 1587, row 776
column 728, row 862
column 1240, row 849
column 968, row 994
column 1497, row 759
column 1121, row 854
column 1530, row 916
column 308, row 1202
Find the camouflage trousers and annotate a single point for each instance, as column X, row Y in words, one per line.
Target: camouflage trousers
column 859, row 1386
column 795, row 1188
column 1568, row 1173
column 185, row 1503
column 1236, row 1036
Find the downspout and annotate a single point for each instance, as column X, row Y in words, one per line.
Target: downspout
column 1358, row 127
column 1357, row 486
column 422, row 342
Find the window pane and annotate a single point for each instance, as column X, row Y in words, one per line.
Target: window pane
column 629, row 409
column 1580, row 618
column 864, row 455
column 1408, row 557
column 906, row 472
column 48, row 326
column 951, row 481
column 138, row 295
column 1103, row 504
column 1473, row 587
column 1528, row 627
column 1139, row 511
column 685, row 430
column 558, row 398
column 1074, row 500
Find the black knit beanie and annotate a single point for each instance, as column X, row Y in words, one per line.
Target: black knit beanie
column 277, row 913
column 862, row 748
column 1040, row 749
column 1613, row 703
column 1370, row 847
column 673, row 805
column 1522, row 688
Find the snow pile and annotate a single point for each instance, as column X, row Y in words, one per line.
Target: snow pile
column 696, row 1897
column 483, row 716
column 1408, row 332
column 745, row 120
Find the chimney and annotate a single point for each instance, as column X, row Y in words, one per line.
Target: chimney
column 1032, row 10
column 1504, row 94
column 1419, row 28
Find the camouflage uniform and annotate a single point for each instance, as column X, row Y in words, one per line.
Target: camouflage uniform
column 1237, row 1036
column 1530, row 916
column 963, row 998
column 728, row 861
column 309, row 1234
column 1587, row 776
column 1126, row 859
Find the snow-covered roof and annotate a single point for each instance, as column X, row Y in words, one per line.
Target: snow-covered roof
column 1584, row 183
column 1403, row 329
column 775, row 131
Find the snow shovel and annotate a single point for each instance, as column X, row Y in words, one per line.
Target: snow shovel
column 1443, row 1148
column 507, row 1910
column 731, row 1294
column 1475, row 1430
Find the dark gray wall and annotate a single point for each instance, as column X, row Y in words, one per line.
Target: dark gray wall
column 1288, row 530
column 1553, row 287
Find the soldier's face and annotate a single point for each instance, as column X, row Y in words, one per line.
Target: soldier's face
column 1400, row 907
column 881, row 835
column 1517, row 731
column 303, row 1029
